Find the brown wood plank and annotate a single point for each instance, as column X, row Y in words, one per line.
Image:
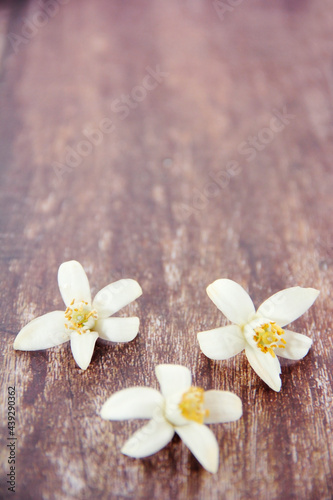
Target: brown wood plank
column 143, row 204
column 7, row 11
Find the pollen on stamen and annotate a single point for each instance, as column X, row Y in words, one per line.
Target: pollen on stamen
column 267, row 337
column 80, row 317
column 191, row 405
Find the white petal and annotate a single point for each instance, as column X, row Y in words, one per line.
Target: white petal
column 149, row 439
column 73, row 283
column 115, row 296
column 43, row 332
column 223, row 406
column 267, row 367
column 117, row 329
column 134, row 402
column 173, row 379
column 286, row 306
column 297, row 345
column 83, row 347
column 222, row 343
column 232, row 300
column 202, row 443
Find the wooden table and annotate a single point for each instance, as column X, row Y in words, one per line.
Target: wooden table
column 139, row 138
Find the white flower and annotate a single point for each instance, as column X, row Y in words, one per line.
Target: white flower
column 259, row 333
column 179, row 408
column 83, row 321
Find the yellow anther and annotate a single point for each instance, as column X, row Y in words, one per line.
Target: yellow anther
column 191, row 405
column 278, row 328
column 267, row 337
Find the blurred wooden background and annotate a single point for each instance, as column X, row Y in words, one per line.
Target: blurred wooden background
column 138, row 199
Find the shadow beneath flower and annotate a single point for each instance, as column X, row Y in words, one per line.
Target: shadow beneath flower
column 177, row 469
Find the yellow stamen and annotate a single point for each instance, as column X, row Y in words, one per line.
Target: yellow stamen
column 79, row 316
column 191, row 405
column 92, row 313
column 267, row 337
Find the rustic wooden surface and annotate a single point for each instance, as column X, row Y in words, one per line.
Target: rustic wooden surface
column 142, row 204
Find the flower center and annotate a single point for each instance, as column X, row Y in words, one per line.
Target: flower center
column 191, row 405
column 268, row 336
column 80, row 316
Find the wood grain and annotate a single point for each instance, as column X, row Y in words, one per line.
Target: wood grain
column 143, row 204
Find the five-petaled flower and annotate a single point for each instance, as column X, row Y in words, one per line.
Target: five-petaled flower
column 180, row 408
column 84, row 320
column 259, row 333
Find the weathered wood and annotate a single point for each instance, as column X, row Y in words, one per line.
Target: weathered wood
column 143, row 204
